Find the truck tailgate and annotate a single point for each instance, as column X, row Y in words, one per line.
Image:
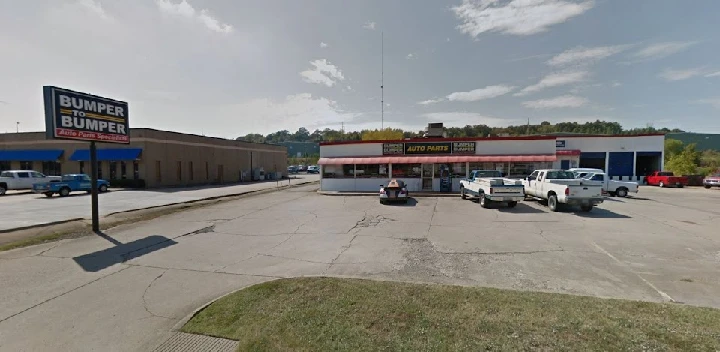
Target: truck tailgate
column 585, row 191
column 508, row 190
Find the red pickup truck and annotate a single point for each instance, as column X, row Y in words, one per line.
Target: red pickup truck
column 666, row 178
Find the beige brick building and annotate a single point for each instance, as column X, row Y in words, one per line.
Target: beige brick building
column 160, row 158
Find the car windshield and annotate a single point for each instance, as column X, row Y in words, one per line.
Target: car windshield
column 560, row 175
column 665, row 174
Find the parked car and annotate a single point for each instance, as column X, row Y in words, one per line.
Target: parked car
column 395, row 190
column 561, row 187
column 313, row 169
column 581, row 172
column 712, row 181
column 292, row 169
column 666, row 178
column 22, row 179
column 490, row 186
column 69, row 183
column 612, row 187
column 302, row 168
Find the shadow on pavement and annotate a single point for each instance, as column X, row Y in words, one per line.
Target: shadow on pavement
column 599, row 213
column 410, row 203
column 520, row 208
column 122, row 252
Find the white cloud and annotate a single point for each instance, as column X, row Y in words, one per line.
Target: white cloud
column 554, row 80
column 459, row 119
column 410, row 56
column 323, row 73
column 616, row 84
column 481, row 93
column 369, row 25
column 715, row 102
column 581, row 55
column 431, row 101
column 94, row 7
column 713, row 74
column 564, row 101
column 518, row 17
column 323, row 45
column 295, row 111
column 184, row 9
column 348, row 88
column 660, row 50
column 679, row 75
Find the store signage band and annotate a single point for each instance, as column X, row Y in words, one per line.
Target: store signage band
column 85, row 117
column 418, row 148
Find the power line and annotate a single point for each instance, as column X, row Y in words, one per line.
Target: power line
column 382, row 80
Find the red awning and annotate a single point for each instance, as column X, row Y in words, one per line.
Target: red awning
column 568, row 152
column 435, row 159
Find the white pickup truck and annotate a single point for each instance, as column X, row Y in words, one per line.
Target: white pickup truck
column 489, row 186
column 22, row 179
column 561, row 187
column 614, row 188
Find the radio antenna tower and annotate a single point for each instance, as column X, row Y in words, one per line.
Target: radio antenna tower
column 382, row 80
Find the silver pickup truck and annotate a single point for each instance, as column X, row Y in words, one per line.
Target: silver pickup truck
column 22, row 179
column 561, row 187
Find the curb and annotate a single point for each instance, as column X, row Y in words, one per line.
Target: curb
column 48, row 224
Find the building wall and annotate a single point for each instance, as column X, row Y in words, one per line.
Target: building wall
column 482, row 147
column 169, row 148
column 615, row 144
column 359, row 149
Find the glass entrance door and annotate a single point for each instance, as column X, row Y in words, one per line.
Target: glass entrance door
column 427, row 177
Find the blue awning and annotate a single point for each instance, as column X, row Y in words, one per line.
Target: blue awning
column 107, row 154
column 30, row 155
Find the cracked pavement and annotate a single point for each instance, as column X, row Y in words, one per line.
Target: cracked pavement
column 127, row 289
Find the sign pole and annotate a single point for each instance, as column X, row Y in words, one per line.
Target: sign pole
column 93, row 187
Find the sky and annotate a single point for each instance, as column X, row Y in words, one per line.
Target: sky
column 227, row 68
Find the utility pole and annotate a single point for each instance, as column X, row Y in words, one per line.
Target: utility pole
column 382, row 80
column 17, row 127
column 342, row 130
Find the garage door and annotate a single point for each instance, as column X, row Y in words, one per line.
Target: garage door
column 621, row 164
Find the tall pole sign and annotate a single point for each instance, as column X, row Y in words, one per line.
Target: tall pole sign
column 85, row 117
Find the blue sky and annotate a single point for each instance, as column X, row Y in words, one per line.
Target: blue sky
column 227, row 68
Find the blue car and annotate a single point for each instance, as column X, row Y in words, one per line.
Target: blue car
column 69, row 183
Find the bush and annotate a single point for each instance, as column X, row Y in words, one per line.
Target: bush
column 127, row 183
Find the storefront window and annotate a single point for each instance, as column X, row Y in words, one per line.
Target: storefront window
column 4, row 165
column 406, row 170
column 136, row 170
column 521, row 169
column 26, row 165
column 371, row 171
column 51, row 168
column 113, row 170
column 338, row 171
column 123, row 170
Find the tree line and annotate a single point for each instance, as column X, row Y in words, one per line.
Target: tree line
column 545, row 127
column 684, row 159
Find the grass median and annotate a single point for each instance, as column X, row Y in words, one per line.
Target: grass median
column 321, row 314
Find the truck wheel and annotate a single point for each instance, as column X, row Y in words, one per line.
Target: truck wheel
column 553, row 202
column 622, row 192
column 586, row 208
column 679, row 185
column 103, row 188
column 661, row 184
column 48, row 194
column 706, row 187
column 64, row 192
column 484, row 202
column 462, row 193
column 3, row 189
column 512, row 204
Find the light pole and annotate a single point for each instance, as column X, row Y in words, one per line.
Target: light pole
column 17, row 127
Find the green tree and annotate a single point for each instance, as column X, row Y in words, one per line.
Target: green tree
column 673, row 147
column 379, row 135
column 685, row 162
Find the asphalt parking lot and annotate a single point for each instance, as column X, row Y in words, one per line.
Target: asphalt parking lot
column 22, row 209
column 129, row 287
